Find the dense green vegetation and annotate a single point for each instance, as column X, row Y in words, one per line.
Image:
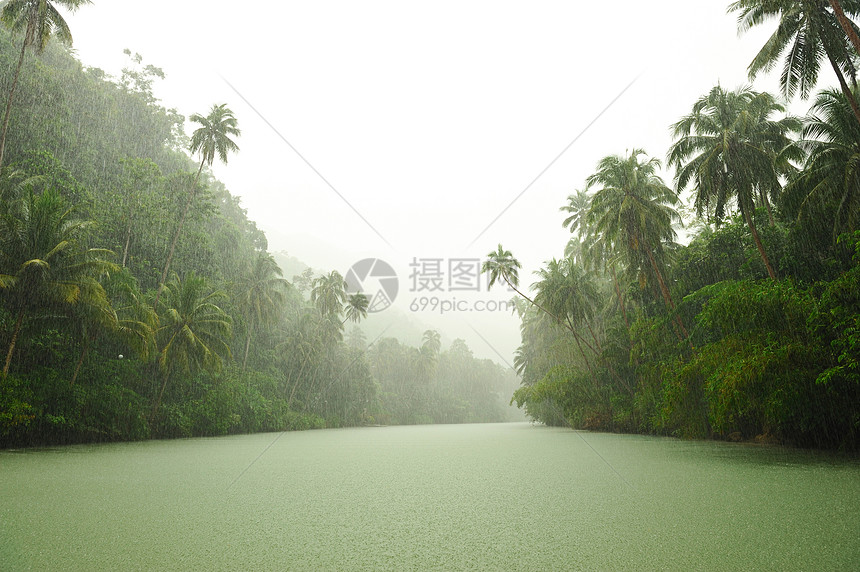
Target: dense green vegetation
column 136, row 298
column 752, row 330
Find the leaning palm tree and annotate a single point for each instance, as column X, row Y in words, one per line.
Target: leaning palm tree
column 261, row 296
column 39, row 20
column 193, row 332
column 829, row 184
column 632, row 211
column 210, row 139
column 503, row 267
column 807, row 32
column 731, row 150
column 43, row 266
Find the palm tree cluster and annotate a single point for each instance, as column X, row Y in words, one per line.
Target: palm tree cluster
column 607, row 337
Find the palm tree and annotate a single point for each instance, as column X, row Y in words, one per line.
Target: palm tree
column 633, row 211
column 194, row 331
column 329, row 293
column 807, row 32
column 113, row 308
column 356, row 307
column 210, row 139
column 577, row 207
column 43, row 266
column 261, row 296
column 831, row 174
column 564, row 290
column 39, row 20
column 731, row 150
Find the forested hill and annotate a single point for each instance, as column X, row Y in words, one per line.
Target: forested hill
column 98, row 181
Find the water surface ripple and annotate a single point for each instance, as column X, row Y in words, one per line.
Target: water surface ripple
column 445, row 497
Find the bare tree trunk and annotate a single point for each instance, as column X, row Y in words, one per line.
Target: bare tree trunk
column 247, row 345
column 759, row 245
column 125, row 248
column 15, row 332
column 667, row 297
column 80, row 362
column 846, row 24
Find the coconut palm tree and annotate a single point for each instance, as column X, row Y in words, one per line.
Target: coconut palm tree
column 329, row 293
column 193, row 332
column 632, row 210
column 356, row 308
column 39, row 20
column 577, row 207
column 210, row 139
column 830, row 179
column 261, row 296
column 807, row 32
column 731, row 149
column 43, row 266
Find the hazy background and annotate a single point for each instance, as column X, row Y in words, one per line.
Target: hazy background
column 428, row 117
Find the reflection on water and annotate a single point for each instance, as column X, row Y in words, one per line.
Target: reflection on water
column 497, row 497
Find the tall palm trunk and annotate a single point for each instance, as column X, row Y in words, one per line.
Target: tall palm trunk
column 533, row 303
column 158, row 399
column 620, row 297
column 846, row 24
column 18, row 321
column 84, row 350
column 758, row 244
column 247, row 344
column 176, row 235
column 667, row 297
column 8, row 113
column 846, row 91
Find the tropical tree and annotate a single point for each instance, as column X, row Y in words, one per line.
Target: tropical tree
column 566, row 292
column 632, row 210
column 112, row 307
column 577, row 207
column 807, row 32
column 193, row 332
column 210, row 139
column 43, row 265
column 731, row 149
column 328, row 293
column 261, row 296
column 831, row 175
column 39, row 20
column 356, row 307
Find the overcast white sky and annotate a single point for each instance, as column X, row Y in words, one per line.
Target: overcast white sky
column 428, row 117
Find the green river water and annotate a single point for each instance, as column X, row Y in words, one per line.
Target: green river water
column 450, row 497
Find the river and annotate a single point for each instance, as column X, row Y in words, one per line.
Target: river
column 446, row 497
